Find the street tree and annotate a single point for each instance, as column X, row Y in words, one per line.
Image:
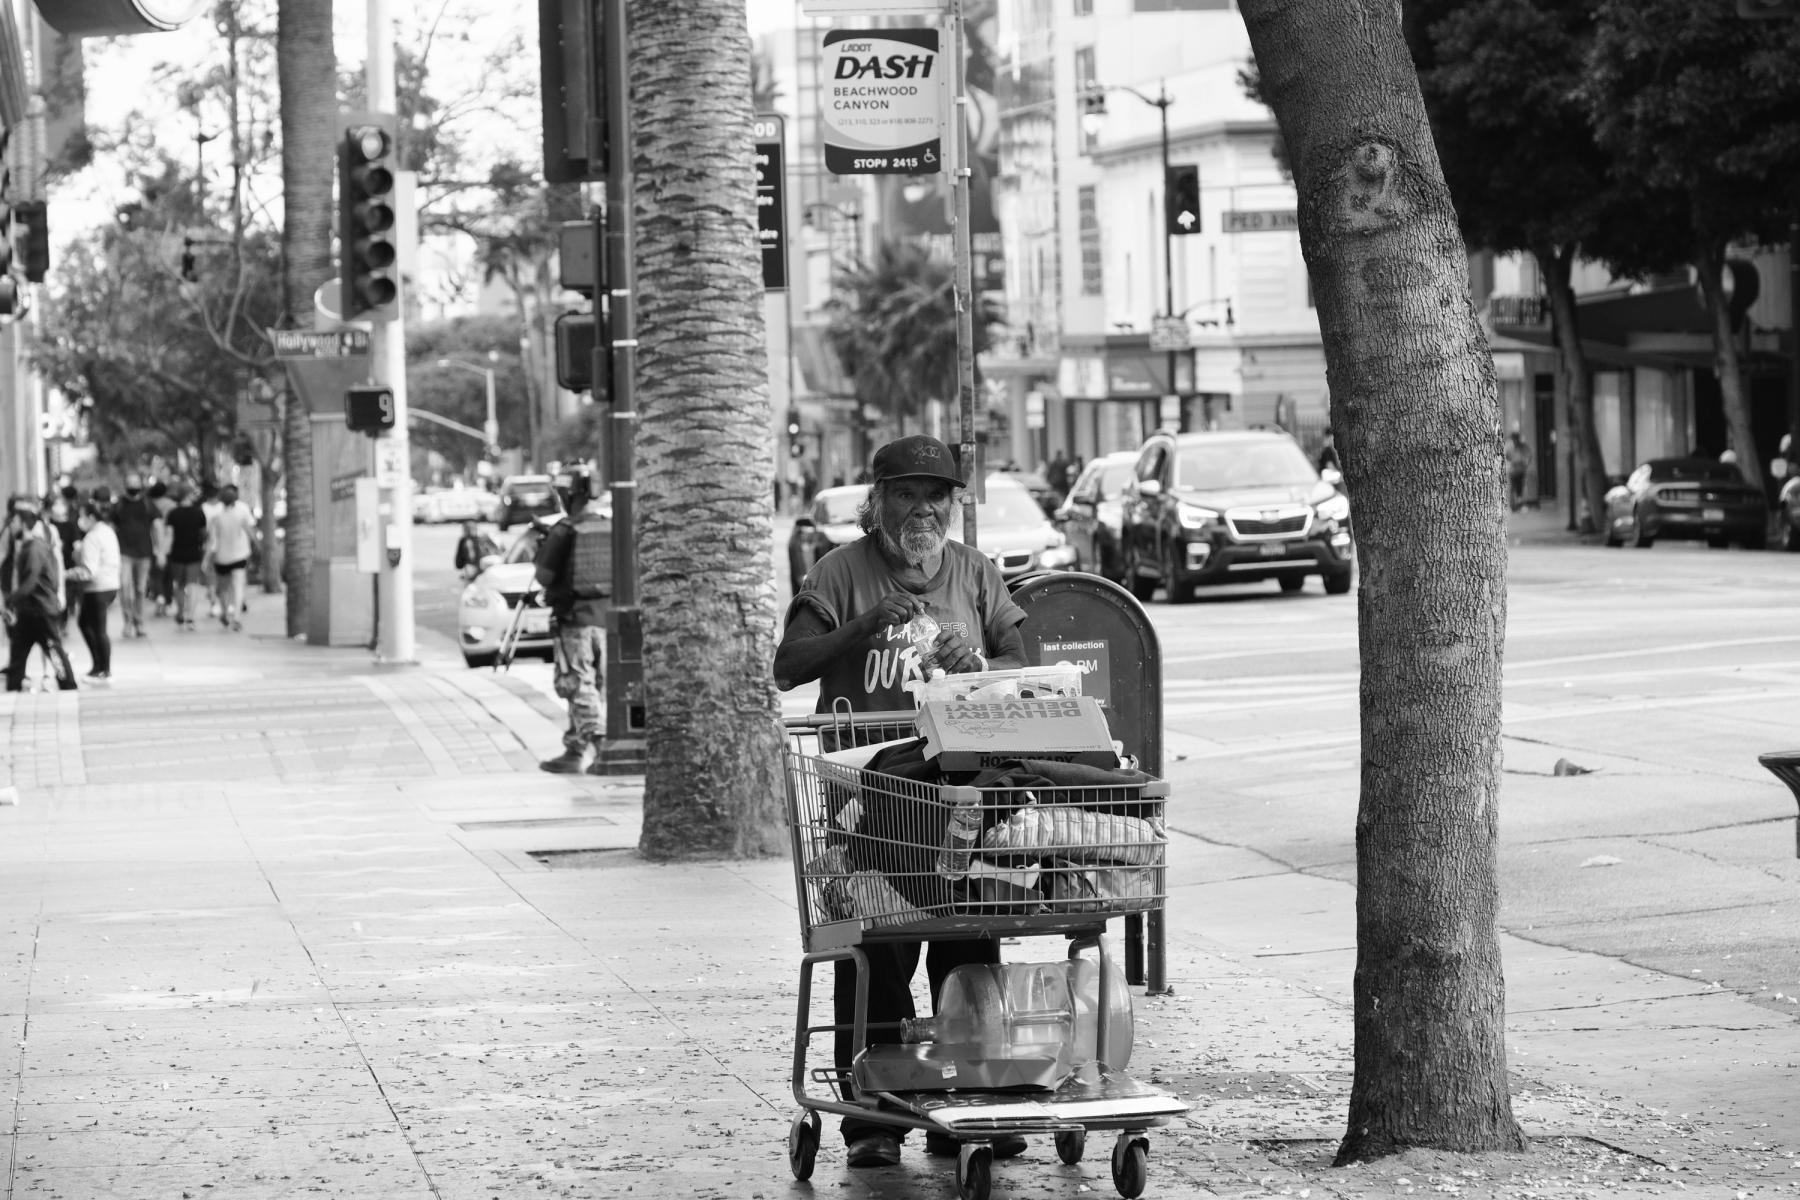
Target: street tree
column 892, row 321
column 1502, row 83
column 459, row 393
column 307, row 72
column 705, row 454
column 1413, row 404
column 1704, row 105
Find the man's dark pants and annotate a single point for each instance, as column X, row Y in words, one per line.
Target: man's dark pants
column 891, row 968
column 31, row 629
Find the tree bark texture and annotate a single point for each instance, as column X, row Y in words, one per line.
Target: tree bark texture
column 1709, row 263
column 306, row 67
column 1557, row 265
column 705, row 454
column 1418, row 429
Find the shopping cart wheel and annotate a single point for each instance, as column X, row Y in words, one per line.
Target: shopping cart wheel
column 1071, row 1144
column 1131, row 1164
column 803, row 1144
column 974, row 1171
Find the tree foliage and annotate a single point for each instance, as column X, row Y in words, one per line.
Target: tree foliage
column 460, row 394
column 892, row 322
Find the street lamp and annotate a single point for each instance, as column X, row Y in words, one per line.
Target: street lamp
column 490, row 429
column 1093, row 111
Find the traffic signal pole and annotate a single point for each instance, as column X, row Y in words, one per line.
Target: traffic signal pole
column 387, row 362
column 1162, row 108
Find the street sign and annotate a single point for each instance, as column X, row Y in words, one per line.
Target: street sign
column 771, row 199
column 884, row 111
column 305, row 343
column 1169, row 333
column 1278, row 220
column 390, row 464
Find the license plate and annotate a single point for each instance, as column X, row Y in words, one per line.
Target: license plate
column 1272, row 549
column 1712, row 514
column 535, row 622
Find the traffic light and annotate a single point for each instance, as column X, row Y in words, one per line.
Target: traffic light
column 576, row 335
column 571, row 40
column 1181, row 199
column 796, row 444
column 367, row 265
column 369, row 408
column 33, row 228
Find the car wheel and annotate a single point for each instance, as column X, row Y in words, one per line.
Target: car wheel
column 1292, row 583
column 1338, row 584
column 1790, row 538
column 1757, row 541
column 1141, row 585
column 1717, row 541
column 1612, row 533
column 1176, row 591
column 1639, row 538
column 479, row 661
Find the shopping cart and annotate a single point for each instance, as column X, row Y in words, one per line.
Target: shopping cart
column 1050, row 861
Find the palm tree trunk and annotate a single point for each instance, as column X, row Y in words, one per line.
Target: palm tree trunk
column 1413, row 404
column 307, row 69
column 705, row 453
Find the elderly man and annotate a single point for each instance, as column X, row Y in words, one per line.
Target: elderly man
column 847, row 629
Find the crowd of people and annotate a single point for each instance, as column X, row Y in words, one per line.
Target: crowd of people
column 172, row 547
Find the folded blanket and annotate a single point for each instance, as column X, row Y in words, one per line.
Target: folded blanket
column 1078, row 835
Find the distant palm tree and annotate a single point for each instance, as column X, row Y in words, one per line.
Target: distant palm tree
column 705, row 456
column 307, row 70
column 892, row 321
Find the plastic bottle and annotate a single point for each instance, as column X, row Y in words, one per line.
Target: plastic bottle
column 959, row 837
column 1084, row 983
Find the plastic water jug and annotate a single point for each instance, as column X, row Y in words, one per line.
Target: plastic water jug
column 1084, row 984
column 1001, row 1011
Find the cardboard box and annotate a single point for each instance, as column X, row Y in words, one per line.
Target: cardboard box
column 967, row 735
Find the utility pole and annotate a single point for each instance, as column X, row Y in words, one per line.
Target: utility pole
column 387, row 362
column 961, row 178
column 1162, row 108
column 622, row 745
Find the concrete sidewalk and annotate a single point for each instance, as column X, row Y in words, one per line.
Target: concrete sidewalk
column 278, row 922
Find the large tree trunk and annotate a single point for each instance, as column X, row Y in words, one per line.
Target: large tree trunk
column 705, row 457
column 307, row 69
column 1418, row 428
column 1709, row 262
column 1556, row 263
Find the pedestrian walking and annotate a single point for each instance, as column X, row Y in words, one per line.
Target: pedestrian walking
column 33, row 598
column 160, row 591
column 849, row 629
column 135, row 519
column 573, row 566
column 1328, row 455
column 64, row 533
column 98, row 571
column 184, row 549
column 209, row 580
column 230, row 539
column 471, row 548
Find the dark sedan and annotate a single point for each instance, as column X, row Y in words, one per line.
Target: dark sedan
column 1094, row 512
column 1790, row 514
column 1694, row 498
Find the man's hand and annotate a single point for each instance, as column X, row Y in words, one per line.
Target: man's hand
column 956, row 656
column 895, row 608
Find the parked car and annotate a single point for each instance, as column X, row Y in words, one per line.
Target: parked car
column 1047, row 497
column 1686, row 498
column 829, row 521
column 435, row 506
column 524, row 497
column 490, row 599
column 1012, row 529
column 1232, row 507
column 1789, row 507
column 1092, row 516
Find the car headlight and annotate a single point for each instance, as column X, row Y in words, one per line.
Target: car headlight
column 1335, row 509
column 1193, row 516
column 1056, row 556
column 481, row 598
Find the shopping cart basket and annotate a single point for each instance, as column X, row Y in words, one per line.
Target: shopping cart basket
column 875, row 860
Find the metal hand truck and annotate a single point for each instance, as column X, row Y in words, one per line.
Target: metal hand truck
column 509, row 640
column 1051, row 861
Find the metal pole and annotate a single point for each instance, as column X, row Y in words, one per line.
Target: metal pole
column 387, row 361
column 622, row 748
column 961, row 178
column 1162, row 108
column 1793, row 396
column 490, row 429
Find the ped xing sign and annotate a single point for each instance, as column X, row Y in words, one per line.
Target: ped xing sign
column 883, row 107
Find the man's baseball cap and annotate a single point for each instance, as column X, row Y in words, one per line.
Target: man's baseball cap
column 916, row 457
column 25, row 502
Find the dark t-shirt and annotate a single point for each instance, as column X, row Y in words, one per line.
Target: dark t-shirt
column 187, row 534
column 133, row 519
column 966, row 595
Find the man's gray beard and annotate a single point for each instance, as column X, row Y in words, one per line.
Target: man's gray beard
column 914, row 546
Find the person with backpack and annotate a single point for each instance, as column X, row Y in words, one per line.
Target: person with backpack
column 33, row 597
